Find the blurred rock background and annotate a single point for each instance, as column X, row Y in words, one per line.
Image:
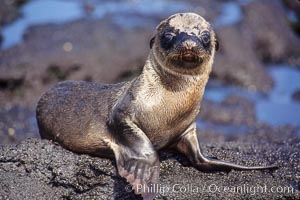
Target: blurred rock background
column 255, row 83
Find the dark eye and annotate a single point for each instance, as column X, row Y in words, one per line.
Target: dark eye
column 166, row 40
column 168, row 36
column 205, row 37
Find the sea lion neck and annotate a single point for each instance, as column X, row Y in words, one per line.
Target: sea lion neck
column 171, row 80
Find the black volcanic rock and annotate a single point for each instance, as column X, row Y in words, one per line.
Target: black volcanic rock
column 9, row 10
column 296, row 95
column 39, row 169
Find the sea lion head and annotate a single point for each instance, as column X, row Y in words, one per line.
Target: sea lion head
column 184, row 43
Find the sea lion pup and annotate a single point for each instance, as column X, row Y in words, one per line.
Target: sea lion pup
column 133, row 120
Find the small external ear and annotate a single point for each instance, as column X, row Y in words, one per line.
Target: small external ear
column 217, row 43
column 152, row 42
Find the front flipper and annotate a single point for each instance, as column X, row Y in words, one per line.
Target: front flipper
column 137, row 161
column 142, row 173
column 189, row 146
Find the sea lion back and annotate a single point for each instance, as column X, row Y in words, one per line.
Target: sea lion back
column 74, row 113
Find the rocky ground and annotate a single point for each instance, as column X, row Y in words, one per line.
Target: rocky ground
column 39, row 169
column 92, row 49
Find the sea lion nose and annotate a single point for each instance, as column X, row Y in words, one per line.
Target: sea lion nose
column 189, row 44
